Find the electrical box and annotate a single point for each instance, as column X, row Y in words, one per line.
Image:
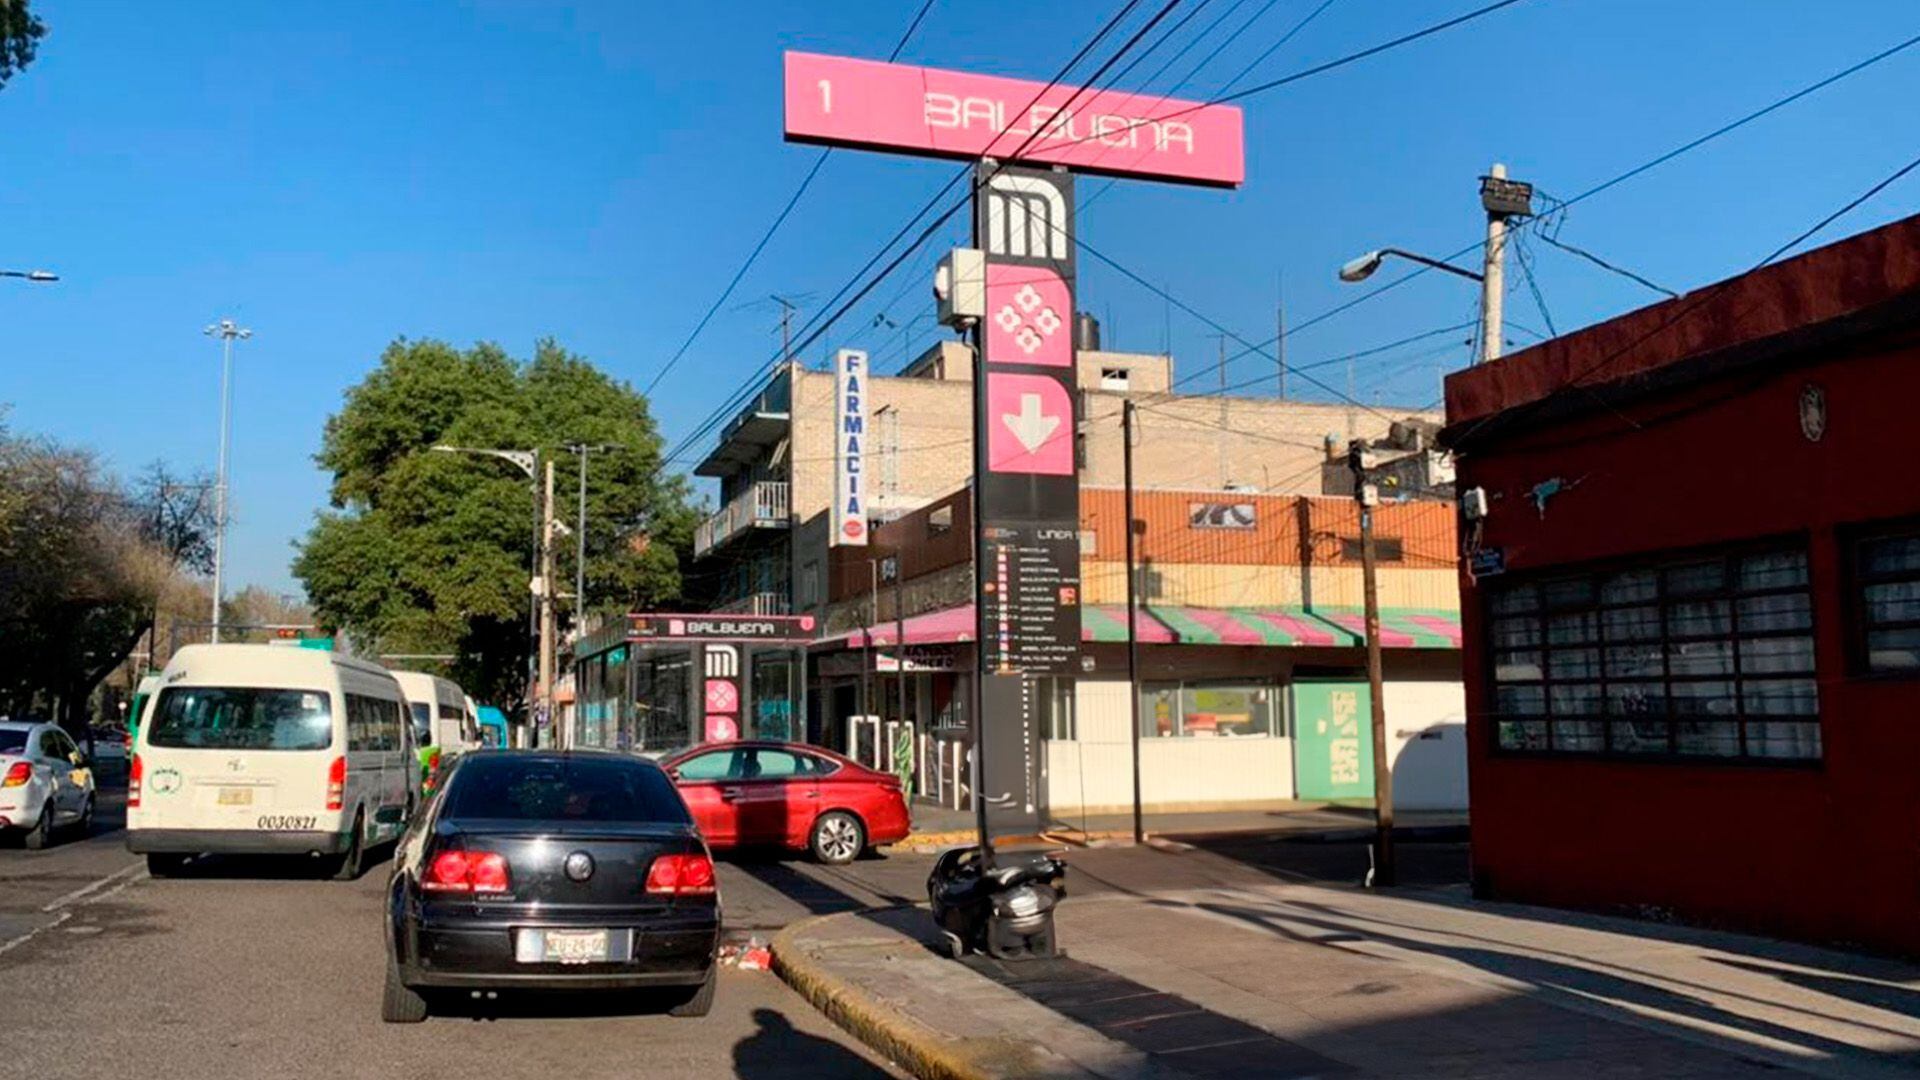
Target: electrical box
column 960, row 287
column 1473, row 503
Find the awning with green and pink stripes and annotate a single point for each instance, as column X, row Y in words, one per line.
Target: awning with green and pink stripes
column 1165, row 624
column 1400, row 628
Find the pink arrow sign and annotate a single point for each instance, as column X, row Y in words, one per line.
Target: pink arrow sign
column 1030, row 425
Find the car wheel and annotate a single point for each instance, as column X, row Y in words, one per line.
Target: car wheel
column 42, row 832
column 84, row 827
column 698, row 1002
column 350, row 863
column 401, row 1004
column 165, row 864
column 838, row 838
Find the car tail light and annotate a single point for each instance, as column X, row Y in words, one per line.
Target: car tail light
column 337, row 784
column 681, row 875
column 135, row 773
column 17, row 774
column 467, row 871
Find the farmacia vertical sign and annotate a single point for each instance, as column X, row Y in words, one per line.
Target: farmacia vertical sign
column 850, row 447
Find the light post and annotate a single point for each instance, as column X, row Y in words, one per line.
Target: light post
column 527, row 461
column 1502, row 199
column 226, row 330
column 31, row 275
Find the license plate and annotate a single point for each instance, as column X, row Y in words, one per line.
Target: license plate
column 572, row 946
column 236, row 796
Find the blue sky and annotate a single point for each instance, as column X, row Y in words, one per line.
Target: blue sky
column 335, row 175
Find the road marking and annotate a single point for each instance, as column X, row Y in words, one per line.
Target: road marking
column 7, row 946
column 83, row 890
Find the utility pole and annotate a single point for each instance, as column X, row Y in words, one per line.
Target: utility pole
column 226, row 330
column 1133, row 612
column 867, row 665
column 580, row 535
column 547, row 612
column 1280, row 336
column 1367, row 497
column 900, row 642
column 1220, row 432
column 1493, row 274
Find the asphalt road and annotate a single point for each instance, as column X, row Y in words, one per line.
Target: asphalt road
column 254, row 968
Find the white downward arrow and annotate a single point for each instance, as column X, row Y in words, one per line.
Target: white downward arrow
column 1030, row 425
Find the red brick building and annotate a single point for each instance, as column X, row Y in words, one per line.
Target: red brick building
column 1691, row 611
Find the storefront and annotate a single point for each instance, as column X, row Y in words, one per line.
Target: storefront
column 1240, row 708
column 659, row 683
column 1692, row 604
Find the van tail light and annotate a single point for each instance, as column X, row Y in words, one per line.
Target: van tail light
column 18, row 774
column 337, row 784
column 680, row 875
column 136, row 772
column 462, row 871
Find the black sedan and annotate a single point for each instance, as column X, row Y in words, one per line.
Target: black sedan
column 549, row 870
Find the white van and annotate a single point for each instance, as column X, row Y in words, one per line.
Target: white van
column 441, row 712
column 265, row 750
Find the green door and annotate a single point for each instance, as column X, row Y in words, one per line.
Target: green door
column 1332, row 746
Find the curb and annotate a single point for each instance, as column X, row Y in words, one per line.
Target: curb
column 908, row 1043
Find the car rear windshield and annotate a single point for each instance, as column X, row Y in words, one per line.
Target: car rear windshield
column 12, row 740
column 241, row 718
column 511, row 787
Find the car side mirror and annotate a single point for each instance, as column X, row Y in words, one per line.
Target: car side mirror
column 673, row 772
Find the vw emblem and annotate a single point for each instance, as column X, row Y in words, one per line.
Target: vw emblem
column 579, row 866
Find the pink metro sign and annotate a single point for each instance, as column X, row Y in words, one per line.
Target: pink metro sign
column 915, row 110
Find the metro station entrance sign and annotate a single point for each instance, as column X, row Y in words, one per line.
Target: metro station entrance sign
column 1027, row 139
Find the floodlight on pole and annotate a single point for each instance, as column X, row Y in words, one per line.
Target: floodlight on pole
column 226, row 330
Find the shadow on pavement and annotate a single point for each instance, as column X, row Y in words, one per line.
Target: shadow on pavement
column 1620, row 997
column 776, row 1049
column 278, row 867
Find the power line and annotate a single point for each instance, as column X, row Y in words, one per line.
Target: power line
column 1696, row 300
column 812, row 334
column 1716, row 133
column 766, row 237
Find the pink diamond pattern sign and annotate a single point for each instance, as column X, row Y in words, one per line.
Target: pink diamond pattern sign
column 1029, row 313
column 722, row 696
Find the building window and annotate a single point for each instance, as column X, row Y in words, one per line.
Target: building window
column 1209, row 709
column 1054, row 699
column 1385, row 549
column 1695, row 657
column 1886, row 569
column 1114, row 378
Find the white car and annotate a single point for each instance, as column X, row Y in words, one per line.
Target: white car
column 45, row 783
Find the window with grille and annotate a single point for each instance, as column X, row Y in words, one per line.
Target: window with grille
column 1886, row 569
column 1685, row 656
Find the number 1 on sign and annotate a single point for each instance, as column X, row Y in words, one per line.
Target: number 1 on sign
column 826, row 96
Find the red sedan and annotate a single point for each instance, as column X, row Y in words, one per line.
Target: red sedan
column 789, row 795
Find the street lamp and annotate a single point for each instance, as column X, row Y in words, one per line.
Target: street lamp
column 1363, row 267
column 1502, row 199
column 226, row 330
column 31, row 275
column 527, row 461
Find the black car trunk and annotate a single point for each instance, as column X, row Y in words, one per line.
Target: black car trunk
column 570, row 868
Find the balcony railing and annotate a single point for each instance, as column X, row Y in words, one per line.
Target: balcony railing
column 763, row 506
column 760, row 603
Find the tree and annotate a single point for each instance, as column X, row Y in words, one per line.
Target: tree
column 83, row 564
column 20, row 34
column 427, row 552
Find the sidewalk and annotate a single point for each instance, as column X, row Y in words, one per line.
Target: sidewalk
column 1290, row 980
column 935, row 825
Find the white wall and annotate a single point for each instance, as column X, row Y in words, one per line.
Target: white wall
column 1095, row 771
column 1427, row 736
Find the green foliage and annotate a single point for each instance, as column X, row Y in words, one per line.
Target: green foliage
column 20, row 34
column 428, row 552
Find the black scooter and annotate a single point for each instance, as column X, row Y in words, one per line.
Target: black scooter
column 1005, row 912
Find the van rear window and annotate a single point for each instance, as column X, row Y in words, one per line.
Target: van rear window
column 241, row 718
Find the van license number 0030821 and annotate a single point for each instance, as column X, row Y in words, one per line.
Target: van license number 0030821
column 285, row 821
